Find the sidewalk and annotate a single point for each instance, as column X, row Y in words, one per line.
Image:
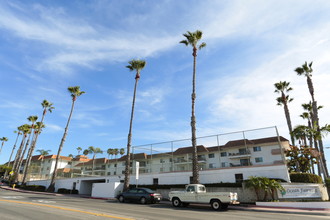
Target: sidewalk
column 243, row 207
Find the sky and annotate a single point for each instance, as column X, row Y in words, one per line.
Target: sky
column 47, row 46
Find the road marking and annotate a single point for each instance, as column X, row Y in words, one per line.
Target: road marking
column 43, row 201
column 67, row 209
column 12, row 197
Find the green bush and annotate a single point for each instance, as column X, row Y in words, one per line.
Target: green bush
column 327, row 182
column 67, row 191
column 305, row 178
column 33, row 188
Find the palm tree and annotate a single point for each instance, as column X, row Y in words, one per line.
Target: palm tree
column 75, row 92
column 3, row 139
column 192, row 38
column 110, row 152
column 79, row 149
column 42, row 153
column 136, row 65
column 116, row 152
column 12, row 151
column 47, row 106
column 19, row 150
column 94, row 151
column 37, row 130
column 306, row 70
column 25, row 129
column 122, row 151
column 282, row 88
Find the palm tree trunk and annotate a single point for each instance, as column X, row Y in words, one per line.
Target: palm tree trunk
column 12, row 152
column 129, row 139
column 288, row 120
column 18, row 154
column 51, row 187
column 193, row 123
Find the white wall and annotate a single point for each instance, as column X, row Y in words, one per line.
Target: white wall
column 107, row 190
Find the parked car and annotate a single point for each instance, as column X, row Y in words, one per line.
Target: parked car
column 142, row 195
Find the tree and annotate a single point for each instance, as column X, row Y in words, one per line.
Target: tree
column 94, row 151
column 192, row 38
column 12, row 151
column 46, row 106
column 75, row 92
column 282, row 88
column 37, row 130
column 3, row 140
column 79, row 149
column 134, row 65
column 26, row 129
column 306, row 70
column 116, row 152
column 110, row 152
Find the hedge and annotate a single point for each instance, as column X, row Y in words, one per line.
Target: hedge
column 32, row 187
column 155, row 187
column 67, row 191
column 305, row 178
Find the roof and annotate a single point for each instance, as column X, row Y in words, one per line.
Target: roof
column 188, row 150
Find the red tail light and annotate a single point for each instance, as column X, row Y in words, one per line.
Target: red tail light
column 152, row 194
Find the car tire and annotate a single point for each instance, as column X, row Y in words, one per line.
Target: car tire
column 143, row 200
column 176, row 202
column 216, row 205
column 121, row 199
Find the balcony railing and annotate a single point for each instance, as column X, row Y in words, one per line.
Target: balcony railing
column 240, row 154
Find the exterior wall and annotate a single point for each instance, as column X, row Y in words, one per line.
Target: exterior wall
column 107, row 190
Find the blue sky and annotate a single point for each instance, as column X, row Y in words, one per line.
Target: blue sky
column 47, row 46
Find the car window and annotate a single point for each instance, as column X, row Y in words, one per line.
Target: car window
column 141, row 191
column 149, row 190
column 132, row 190
column 190, row 189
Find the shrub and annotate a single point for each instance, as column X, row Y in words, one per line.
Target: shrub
column 33, row 188
column 327, row 182
column 67, row 191
column 305, row 178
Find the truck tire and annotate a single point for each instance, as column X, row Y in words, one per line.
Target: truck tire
column 216, row 205
column 176, row 202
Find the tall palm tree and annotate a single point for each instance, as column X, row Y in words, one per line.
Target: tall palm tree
column 306, row 70
column 12, row 151
column 75, row 92
column 94, row 151
column 110, row 152
column 134, row 65
column 26, row 129
column 283, row 88
column 19, row 150
column 46, row 106
column 3, row 139
column 192, row 39
column 37, row 130
column 116, row 152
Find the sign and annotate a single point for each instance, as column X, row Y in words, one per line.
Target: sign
column 137, row 166
column 300, row 191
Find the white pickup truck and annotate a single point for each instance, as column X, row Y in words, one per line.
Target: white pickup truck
column 196, row 193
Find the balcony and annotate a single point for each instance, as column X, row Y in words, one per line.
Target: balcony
column 239, row 155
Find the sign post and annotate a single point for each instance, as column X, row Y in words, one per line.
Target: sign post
column 137, row 166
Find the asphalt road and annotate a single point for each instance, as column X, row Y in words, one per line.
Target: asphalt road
column 25, row 206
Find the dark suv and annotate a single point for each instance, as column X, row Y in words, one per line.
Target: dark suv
column 142, row 195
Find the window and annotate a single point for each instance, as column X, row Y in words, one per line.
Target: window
column 114, row 173
column 242, row 151
column 223, row 154
column 109, row 166
column 48, row 168
column 115, row 165
column 161, row 169
column 212, row 165
column 69, row 163
column 170, row 159
column 155, row 181
column 223, row 164
column 49, row 161
column 259, row 160
column 239, row 177
column 123, row 172
column 211, row 155
column 244, row 162
column 109, row 173
column 258, row 148
column 162, row 161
